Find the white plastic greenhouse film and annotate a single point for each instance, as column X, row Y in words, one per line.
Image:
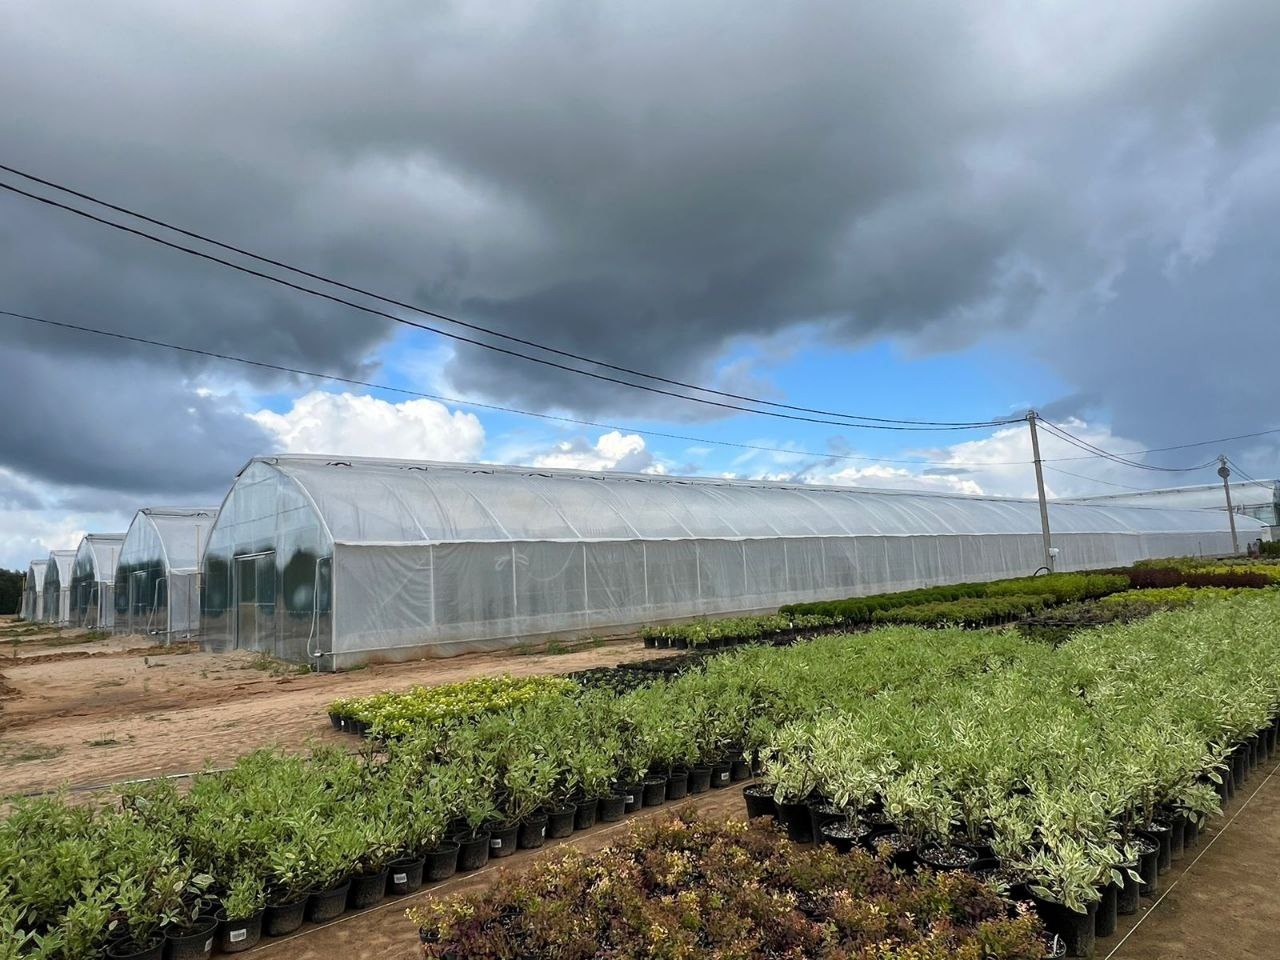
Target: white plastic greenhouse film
column 402, row 601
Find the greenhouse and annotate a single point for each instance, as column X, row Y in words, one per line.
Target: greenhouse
column 157, row 573
column 57, row 586
column 338, row 562
column 33, row 591
column 93, row 580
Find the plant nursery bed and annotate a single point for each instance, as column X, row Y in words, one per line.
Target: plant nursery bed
column 384, row 933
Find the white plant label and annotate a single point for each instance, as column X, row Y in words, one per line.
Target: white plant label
column 495, row 843
column 542, row 832
column 208, row 945
column 724, row 776
column 399, row 878
column 630, row 798
column 237, row 935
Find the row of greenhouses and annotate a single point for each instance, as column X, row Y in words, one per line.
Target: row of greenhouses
column 337, row 562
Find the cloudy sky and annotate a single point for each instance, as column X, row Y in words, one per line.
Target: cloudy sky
column 931, row 211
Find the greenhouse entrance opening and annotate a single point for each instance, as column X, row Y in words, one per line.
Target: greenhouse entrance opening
column 254, row 583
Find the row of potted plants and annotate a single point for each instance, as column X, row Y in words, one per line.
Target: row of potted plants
column 1057, row 587
column 731, row 631
column 1074, row 769
column 395, row 713
column 688, row 887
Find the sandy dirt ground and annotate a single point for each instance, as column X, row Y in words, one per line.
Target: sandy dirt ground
column 86, row 714
column 1218, row 903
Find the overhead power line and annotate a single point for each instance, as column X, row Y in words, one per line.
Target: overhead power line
column 1082, row 444
column 458, row 401
column 1109, row 483
column 824, row 417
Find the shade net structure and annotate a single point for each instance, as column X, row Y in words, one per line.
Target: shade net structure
column 57, row 586
column 33, row 591
column 157, row 574
column 344, row 561
column 93, row 581
column 1259, row 499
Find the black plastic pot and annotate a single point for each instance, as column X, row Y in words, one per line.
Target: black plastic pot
column 739, row 770
column 678, row 784
column 1149, row 867
column 650, row 642
column 584, row 815
column 841, row 834
column 1190, row 833
column 680, row 643
column 127, row 950
column 195, row 943
column 502, row 839
column 473, row 853
column 442, row 862
column 795, row 817
column 405, row 875
column 947, row 860
column 236, row 936
column 823, row 813
column 654, row 793
column 760, row 801
column 1127, row 895
column 1162, row 834
column 325, row 905
column 279, row 919
column 1177, row 837
column 1055, row 948
column 700, row 779
column 632, row 797
column 367, row 889
column 1105, row 919
column 612, row 809
column 533, row 832
column 1075, row 929
column 721, row 775
column 560, row 821
column 900, row 850
column 336, row 720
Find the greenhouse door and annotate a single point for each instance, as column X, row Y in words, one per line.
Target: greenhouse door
column 255, row 593
column 137, row 594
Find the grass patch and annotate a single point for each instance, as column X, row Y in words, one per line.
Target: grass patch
column 15, row 753
column 277, row 668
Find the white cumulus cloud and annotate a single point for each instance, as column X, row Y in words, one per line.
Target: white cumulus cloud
column 611, row 451
column 361, row 426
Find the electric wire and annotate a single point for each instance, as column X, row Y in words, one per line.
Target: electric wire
column 885, row 423
column 1080, row 476
column 1082, row 444
column 458, row 401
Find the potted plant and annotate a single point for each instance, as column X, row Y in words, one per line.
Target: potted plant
column 240, row 918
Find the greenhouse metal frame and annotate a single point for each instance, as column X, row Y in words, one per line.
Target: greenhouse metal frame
column 93, row 581
column 157, row 575
column 57, row 586
column 33, row 591
column 341, row 561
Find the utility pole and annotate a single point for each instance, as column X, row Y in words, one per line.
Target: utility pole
column 1224, row 472
column 1044, row 506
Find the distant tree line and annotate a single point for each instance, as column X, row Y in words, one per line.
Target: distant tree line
column 10, row 591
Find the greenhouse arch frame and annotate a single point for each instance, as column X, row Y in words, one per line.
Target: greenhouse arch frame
column 93, row 579
column 157, row 575
column 33, row 591
column 57, row 586
column 341, row 561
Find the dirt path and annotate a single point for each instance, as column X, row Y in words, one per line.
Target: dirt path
column 383, row 933
column 1219, row 903
column 87, row 721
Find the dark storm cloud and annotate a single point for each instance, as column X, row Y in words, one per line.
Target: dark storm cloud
column 648, row 183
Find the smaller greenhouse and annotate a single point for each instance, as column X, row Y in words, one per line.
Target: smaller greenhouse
column 33, row 591
column 93, row 580
column 157, row 574
column 57, row 586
